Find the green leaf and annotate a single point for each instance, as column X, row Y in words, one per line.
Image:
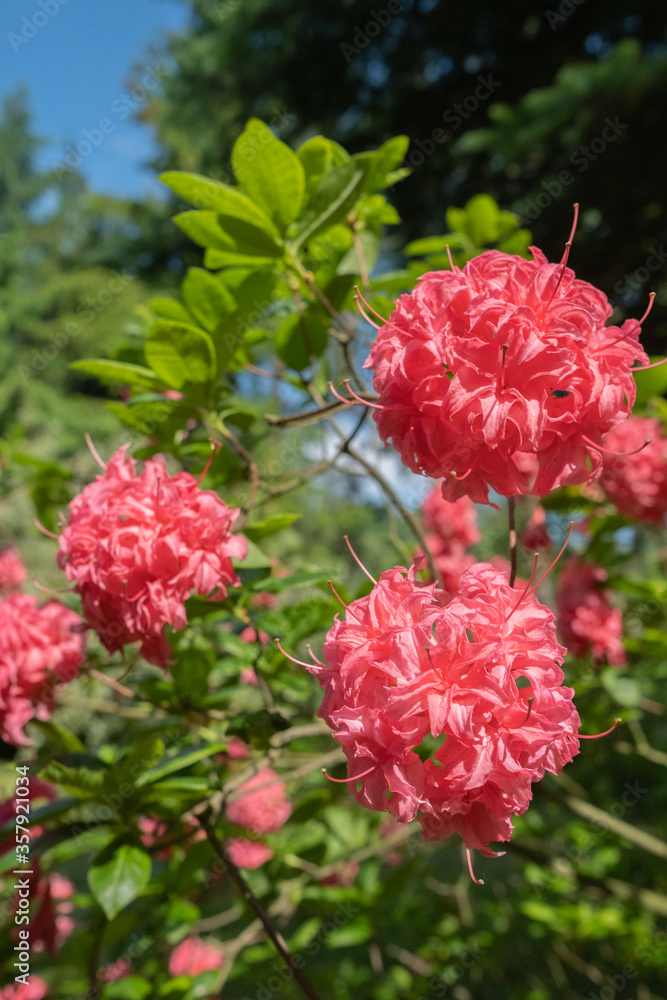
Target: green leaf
column 169, row 309
column 390, row 154
column 118, row 881
column 118, row 372
column 206, row 298
column 60, row 737
column 625, row 690
column 178, row 353
column 269, row 172
column 178, row 763
column 249, row 239
column 204, row 229
column 130, row 988
column 269, row 526
column 301, row 337
column 651, row 383
column 316, row 158
column 483, row 220
column 215, row 259
column 255, row 559
column 209, row 195
column 333, row 199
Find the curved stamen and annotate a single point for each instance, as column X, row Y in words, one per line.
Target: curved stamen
column 645, row 368
column 342, row 781
column 651, row 300
column 49, row 590
column 451, row 262
column 333, row 390
column 214, row 451
column 358, row 561
column 477, row 881
column 93, row 451
column 368, row 306
column 545, row 575
column 597, row 736
column 367, row 318
column 318, row 662
column 45, row 531
column 292, row 658
column 360, row 399
column 525, row 589
column 570, row 239
column 465, row 475
column 616, row 454
column 346, row 606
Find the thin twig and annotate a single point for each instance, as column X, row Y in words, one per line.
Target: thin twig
column 275, row 937
column 112, row 683
column 512, row 532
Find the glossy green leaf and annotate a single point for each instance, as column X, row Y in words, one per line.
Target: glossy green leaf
column 301, row 337
column 118, row 372
column 270, row 526
column 169, row 309
column 269, row 172
column 651, row 383
column 178, row 763
column 316, row 158
column 206, row 298
column 204, row 229
column 178, row 353
column 249, row 239
column 116, row 882
column 212, row 196
column 333, row 199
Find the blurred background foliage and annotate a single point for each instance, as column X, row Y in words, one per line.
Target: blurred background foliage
column 578, row 905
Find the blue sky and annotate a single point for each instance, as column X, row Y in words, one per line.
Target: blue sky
column 75, row 57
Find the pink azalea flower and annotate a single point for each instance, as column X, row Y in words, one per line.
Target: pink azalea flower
column 137, row 546
column 40, row 647
column 637, row 483
column 117, row 970
column 248, row 853
column 12, row 571
column 252, row 634
column 404, row 665
column 454, row 522
column 194, row 956
column 261, row 804
column 535, row 537
column 587, row 621
column 478, row 366
column 248, row 676
column 236, row 748
column 35, row 989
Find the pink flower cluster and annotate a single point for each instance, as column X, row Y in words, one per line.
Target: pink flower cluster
column 193, row 956
column 451, row 528
column 260, row 805
column 40, row 647
column 587, row 622
column 137, row 546
column 637, row 484
column 482, row 671
column 480, row 366
column 12, row 571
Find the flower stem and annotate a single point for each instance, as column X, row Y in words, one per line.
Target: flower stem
column 275, row 937
column 512, row 531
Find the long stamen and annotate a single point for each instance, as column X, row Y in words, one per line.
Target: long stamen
column 342, row 781
column 651, row 300
column 49, row 590
column 358, row 561
column 597, row 736
column 318, row 662
column 368, row 306
column 93, row 451
column 333, row 390
column 360, row 399
column 616, row 454
column 525, row 589
column 346, row 606
column 45, row 531
column 451, row 262
column 214, row 451
column 293, row 658
column 645, row 368
column 464, row 476
column 477, row 881
column 570, row 239
column 367, row 318
column 545, row 575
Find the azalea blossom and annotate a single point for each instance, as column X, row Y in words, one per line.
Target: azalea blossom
column 248, row 854
column 451, row 528
column 40, row 648
column 194, row 956
column 261, row 803
column 138, row 545
column 635, row 479
column 479, row 366
column 480, row 674
column 12, row 571
column 587, row 621
column 34, row 989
